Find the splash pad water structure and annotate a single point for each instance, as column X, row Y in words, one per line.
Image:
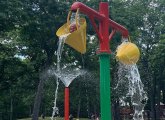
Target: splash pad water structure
column 77, row 40
column 66, row 74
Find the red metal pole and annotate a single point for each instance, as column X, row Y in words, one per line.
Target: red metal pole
column 104, row 28
column 66, row 105
column 86, row 10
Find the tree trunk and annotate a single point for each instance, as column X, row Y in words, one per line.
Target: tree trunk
column 38, row 98
column 152, row 98
column 163, row 94
column 151, row 86
column 42, row 75
column 79, row 102
column 11, row 106
column 116, row 110
column 30, row 110
column 158, row 102
column 158, row 110
column 79, row 107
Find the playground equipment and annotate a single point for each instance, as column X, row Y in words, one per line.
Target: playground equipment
column 67, row 76
column 128, row 53
column 76, row 39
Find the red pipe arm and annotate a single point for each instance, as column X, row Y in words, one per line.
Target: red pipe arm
column 118, row 27
column 94, row 14
column 96, row 29
column 111, row 34
column 87, row 10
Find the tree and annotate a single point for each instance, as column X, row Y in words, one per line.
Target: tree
column 38, row 35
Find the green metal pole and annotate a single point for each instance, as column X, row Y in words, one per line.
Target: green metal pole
column 105, row 101
column 104, row 56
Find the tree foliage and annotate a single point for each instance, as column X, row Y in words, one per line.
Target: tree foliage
column 28, row 43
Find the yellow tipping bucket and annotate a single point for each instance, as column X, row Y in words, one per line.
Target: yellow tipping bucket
column 128, row 53
column 77, row 38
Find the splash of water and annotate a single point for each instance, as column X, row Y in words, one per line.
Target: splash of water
column 129, row 74
column 59, row 52
column 67, row 75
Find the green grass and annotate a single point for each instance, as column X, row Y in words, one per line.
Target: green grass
column 48, row 118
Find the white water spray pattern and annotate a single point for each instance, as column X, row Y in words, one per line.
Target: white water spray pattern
column 65, row 74
column 135, row 88
column 59, row 52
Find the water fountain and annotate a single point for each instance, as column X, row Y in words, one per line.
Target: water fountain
column 128, row 54
column 77, row 40
column 67, row 74
column 129, row 77
column 59, row 52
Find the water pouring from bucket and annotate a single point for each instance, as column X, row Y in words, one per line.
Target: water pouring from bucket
column 76, row 30
column 130, row 88
column 128, row 55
